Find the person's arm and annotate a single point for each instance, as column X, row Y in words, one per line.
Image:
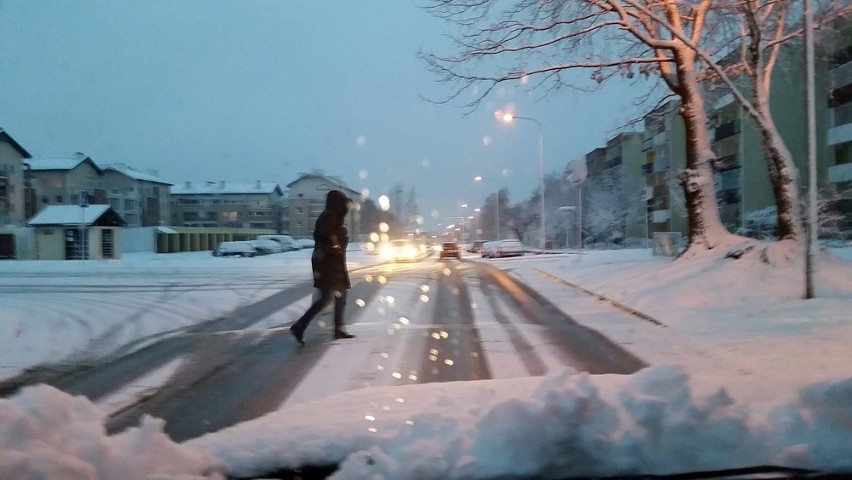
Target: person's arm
column 327, row 234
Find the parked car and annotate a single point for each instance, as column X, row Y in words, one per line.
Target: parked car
column 486, row 249
column 305, row 243
column 286, row 241
column 508, row 248
column 265, row 246
column 238, row 248
column 475, row 246
column 450, row 249
column 502, row 248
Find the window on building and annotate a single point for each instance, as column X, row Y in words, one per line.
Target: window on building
column 45, row 200
column 229, row 216
column 129, row 204
column 59, row 199
column 843, row 153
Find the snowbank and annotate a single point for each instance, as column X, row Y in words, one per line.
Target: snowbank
column 45, row 433
column 560, row 425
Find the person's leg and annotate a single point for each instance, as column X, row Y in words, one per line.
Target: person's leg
column 298, row 328
column 339, row 309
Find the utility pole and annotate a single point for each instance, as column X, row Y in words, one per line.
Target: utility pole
column 813, row 220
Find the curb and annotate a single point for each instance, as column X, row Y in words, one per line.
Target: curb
column 602, row 298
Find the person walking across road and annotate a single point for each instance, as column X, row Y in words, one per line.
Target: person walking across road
column 328, row 264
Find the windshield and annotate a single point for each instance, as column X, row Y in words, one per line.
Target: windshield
column 433, row 239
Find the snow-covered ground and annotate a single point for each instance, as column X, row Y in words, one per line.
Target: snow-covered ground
column 745, row 372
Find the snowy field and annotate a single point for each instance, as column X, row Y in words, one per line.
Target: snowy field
column 744, row 373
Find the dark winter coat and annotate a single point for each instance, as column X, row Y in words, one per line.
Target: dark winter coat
column 331, row 238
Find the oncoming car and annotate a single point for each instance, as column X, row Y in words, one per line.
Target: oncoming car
column 399, row 251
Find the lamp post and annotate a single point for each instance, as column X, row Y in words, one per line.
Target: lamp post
column 508, row 117
column 480, row 178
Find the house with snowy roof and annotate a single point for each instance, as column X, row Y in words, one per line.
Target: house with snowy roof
column 306, row 200
column 61, row 181
column 77, row 232
column 13, row 196
column 233, row 205
column 141, row 198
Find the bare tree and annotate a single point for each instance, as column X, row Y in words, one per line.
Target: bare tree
column 547, row 40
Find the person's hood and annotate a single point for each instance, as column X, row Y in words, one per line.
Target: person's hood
column 337, row 202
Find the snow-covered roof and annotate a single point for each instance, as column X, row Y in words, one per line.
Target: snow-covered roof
column 68, row 215
column 135, row 174
column 4, row 136
column 69, row 163
column 332, row 180
column 218, row 188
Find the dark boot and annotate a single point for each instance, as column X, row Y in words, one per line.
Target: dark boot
column 341, row 333
column 298, row 333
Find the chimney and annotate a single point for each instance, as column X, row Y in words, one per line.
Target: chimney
column 187, row 185
column 155, row 173
column 222, row 184
column 257, row 185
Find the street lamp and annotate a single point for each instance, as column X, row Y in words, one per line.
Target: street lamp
column 479, row 178
column 508, row 117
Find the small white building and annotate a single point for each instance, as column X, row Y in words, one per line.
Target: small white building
column 74, row 232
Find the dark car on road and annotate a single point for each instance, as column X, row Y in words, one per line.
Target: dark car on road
column 450, row 249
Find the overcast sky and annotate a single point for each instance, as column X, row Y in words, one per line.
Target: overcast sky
column 262, row 90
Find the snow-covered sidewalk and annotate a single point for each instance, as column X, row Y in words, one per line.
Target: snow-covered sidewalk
column 741, row 324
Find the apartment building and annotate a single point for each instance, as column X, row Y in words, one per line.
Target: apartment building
column 664, row 149
column 61, row 181
column 306, row 200
column 742, row 178
column 141, row 198
column 839, row 172
column 257, row 205
column 12, row 181
column 614, row 190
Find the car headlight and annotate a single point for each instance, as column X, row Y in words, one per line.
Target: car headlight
column 386, row 252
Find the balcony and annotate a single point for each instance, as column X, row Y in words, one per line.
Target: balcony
column 727, row 162
column 840, row 173
column 662, row 164
column 662, row 138
column 728, row 196
column 841, row 75
column 842, row 115
column 613, row 162
column 660, row 216
column 647, row 144
column 840, row 134
column 726, row 130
